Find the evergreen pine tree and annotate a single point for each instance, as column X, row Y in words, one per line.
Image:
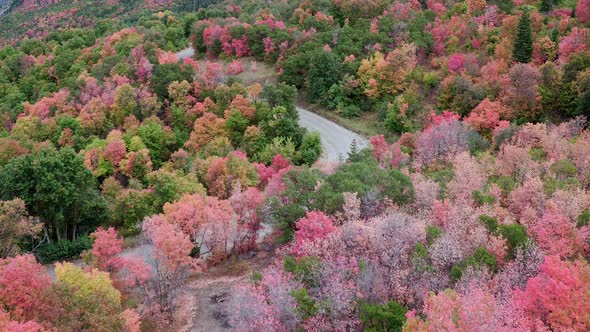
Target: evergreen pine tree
column 353, row 154
column 523, row 43
column 546, row 6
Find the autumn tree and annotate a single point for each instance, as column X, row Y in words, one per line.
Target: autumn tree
column 386, row 75
column 206, row 128
column 15, row 225
column 246, row 204
column 23, row 283
column 313, row 227
column 127, row 271
column 89, row 297
column 557, row 297
column 171, row 262
column 583, row 11
column 208, row 221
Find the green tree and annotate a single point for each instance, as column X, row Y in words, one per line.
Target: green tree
column 58, row 189
column 523, row 43
column 281, row 94
column 324, row 71
column 383, row 317
column 167, row 73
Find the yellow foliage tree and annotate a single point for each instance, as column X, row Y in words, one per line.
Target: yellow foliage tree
column 93, row 302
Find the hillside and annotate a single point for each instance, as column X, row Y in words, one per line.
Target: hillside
column 159, row 168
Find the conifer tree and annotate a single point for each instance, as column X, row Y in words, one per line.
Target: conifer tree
column 523, row 43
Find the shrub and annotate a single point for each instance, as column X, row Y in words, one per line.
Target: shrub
column 63, row 250
column 482, row 198
column 302, row 268
column 310, row 148
column 480, row 258
column 490, row 223
column 383, row 317
column 515, row 235
column 583, row 219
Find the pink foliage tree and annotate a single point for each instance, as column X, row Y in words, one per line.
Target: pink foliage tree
column 313, row 227
column 558, row 297
column 388, row 155
column 574, row 42
column 245, row 204
column 167, row 57
column 456, row 62
column 23, row 283
column 171, row 264
column 485, row 118
column 558, row 236
column 234, row 68
column 441, row 142
column 106, row 256
column 208, row 221
column 583, row 11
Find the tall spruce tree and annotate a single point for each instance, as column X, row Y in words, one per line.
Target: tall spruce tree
column 523, row 43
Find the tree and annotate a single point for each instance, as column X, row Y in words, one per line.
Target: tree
column 324, row 71
column 557, row 235
column 165, row 74
column 125, row 104
column 171, row 262
column 229, row 173
column 156, row 138
column 105, row 255
column 386, row 75
column 246, row 204
column 523, row 42
column 383, row 317
column 441, row 142
column 206, row 129
column 89, row 298
column 169, row 185
column 58, row 189
column 485, row 118
column 23, row 283
column 281, row 94
column 208, row 221
column 6, row 324
column 15, row 225
column 522, row 93
column 557, row 297
column 583, row 11
column 313, row 227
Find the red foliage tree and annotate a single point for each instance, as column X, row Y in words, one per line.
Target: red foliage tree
column 23, row 282
column 485, row 118
column 245, row 204
column 557, row 298
column 441, row 142
column 171, row 262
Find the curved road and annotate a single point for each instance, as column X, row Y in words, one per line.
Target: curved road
column 336, row 140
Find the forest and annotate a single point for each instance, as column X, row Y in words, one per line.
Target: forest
column 135, row 180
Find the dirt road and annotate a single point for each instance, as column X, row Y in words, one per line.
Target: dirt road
column 336, row 140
